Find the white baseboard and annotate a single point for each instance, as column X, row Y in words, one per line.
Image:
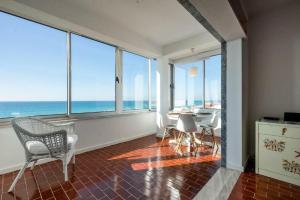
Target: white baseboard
column 91, row 148
column 78, row 151
column 235, row 167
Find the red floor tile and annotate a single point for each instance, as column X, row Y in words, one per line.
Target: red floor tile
column 139, row 169
column 255, row 186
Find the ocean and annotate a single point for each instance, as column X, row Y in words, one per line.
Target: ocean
column 33, row 108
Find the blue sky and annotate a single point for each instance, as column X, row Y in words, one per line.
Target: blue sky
column 191, row 88
column 33, row 67
column 93, row 70
column 32, row 61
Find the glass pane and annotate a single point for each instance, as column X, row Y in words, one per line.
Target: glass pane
column 33, row 68
column 189, row 85
column 93, row 75
column 135, row 81
column 213, row 82
column 153, row 84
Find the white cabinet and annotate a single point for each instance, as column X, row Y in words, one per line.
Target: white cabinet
column 278, row 151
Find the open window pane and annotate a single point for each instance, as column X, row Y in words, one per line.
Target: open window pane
column 33, row 68
column 93, row 75
column 213, row 82
column 189, row 85
column 135, row 81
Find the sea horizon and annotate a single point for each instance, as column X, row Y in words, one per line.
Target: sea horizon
column 9, row 109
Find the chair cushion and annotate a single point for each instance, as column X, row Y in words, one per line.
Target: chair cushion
column 39, row 148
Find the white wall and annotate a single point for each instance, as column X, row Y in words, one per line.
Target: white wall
column 274, row 63
column 163, row 92
column 245, row 96
column 92, row 134
column 236, row 135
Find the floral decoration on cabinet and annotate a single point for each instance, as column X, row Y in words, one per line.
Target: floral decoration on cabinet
column 297, row 154
column 274, row 145
column 292, row 167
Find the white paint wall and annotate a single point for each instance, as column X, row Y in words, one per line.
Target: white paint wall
column 236, row 135
column 274, row 64
column 245, row 96
column 163, row 92
column 92, row 134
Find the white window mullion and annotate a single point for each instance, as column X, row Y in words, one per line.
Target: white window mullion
column 69, row 75
column 149, row 84
column 119, row 83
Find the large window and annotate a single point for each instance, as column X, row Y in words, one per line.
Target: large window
column 93, row 75
column 198, row 84
column 32, row 68
column 46, row 71
column 213, row 82
column 189, row 85
column 135, row 82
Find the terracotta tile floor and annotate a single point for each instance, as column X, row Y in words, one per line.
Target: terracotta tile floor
column 254, row 186
column 139, row 169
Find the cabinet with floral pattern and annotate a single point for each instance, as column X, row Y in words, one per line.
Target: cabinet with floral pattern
column 278, row 150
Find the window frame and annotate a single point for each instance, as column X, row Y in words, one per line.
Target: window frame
column 118, row 73
column 7, row 119
column 149, row 82
column 70, row 78
column 173, row 84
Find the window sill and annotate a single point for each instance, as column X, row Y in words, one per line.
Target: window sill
column 87, row 116
column 80, row 116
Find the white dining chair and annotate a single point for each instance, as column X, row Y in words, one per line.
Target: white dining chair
column 167, row 129
column 186, row 127
column 41, row 139
column 208, row 128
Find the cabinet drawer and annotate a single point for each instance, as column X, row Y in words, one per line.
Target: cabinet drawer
column 279, row 155
column 280, row 130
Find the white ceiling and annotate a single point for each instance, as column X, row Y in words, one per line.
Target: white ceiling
column 159, row 21
column 255, row 7
column 221, row 17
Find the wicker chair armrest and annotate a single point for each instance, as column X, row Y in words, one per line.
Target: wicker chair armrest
column 63, row 123
column 69, row 126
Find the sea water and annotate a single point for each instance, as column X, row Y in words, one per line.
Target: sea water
column 33, row 108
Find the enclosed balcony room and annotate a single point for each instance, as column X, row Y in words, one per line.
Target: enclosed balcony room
column 143, row 99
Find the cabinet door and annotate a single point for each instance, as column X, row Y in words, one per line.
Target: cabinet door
column 279, row 155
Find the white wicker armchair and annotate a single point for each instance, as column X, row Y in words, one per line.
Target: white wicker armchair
column 42, row 139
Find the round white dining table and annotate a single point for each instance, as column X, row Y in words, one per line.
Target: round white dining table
column 198, row 117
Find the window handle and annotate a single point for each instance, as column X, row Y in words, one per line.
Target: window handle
column 117, row 79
